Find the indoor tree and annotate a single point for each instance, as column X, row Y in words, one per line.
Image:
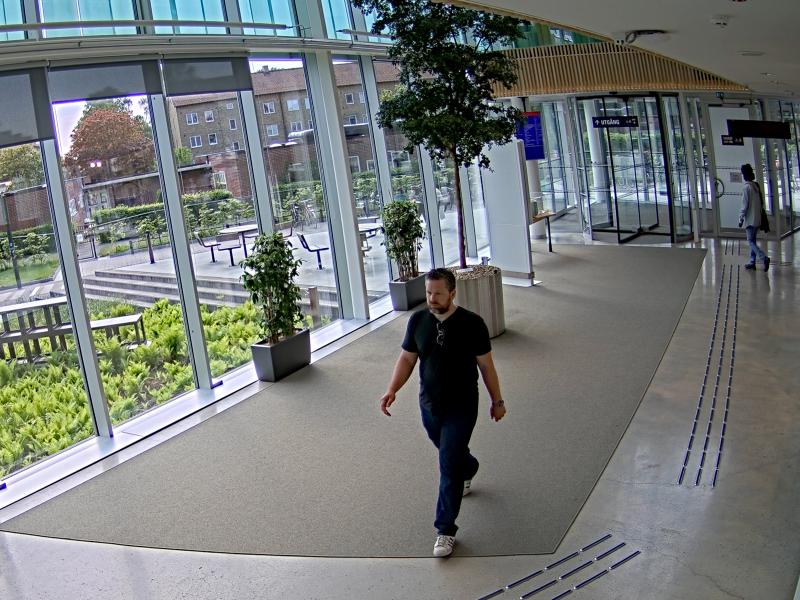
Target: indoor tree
column 448, row 69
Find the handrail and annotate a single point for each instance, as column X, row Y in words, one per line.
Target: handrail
column 142, row 23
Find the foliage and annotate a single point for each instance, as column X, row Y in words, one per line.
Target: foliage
column 5, row 254
column 104, row 215
column 28, row 272
column 114, row 138
column 34, row 247
column 403, row 235
column 183, row 156
column 44, row 409
column 22, row 166
column 153, row 224
column 448, row 69
column 269, row 274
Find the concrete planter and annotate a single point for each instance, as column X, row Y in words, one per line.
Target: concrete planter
column 407, row 294
column 481, row 291
column 274, row 362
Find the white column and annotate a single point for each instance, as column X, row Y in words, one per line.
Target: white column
column 179, row 237
column 73, row 286
column 258, row 172
column 338, row 185
column 534, row 180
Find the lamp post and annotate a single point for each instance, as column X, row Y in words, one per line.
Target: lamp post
column 4, row 185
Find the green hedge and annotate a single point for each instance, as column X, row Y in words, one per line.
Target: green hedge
column 104, row 215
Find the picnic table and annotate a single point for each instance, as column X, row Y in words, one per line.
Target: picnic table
column 19, row 326
column 243, row 231
column 368, row 230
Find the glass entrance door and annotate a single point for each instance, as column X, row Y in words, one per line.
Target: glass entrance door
column 626, row 174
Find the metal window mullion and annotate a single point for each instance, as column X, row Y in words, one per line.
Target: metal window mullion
column 30, row 14
column 470, row 239
column 231, row 10
column 578, row 158
column 73, row 286
column 689, row 143
column 432, row 208
column 182, row 256
column 774, row 192
column 338, row 186
column 262, row 201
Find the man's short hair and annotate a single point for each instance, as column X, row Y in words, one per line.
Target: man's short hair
column 442, row 274
column 747, row 172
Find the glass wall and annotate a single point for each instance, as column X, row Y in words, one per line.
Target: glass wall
column 87, row 10
column 337, row 18
column 352, row 99
column 188, row 10
column 11, row 14
column 444, row 183
column 790, row 113
column 217, row 197
column 128, row 272
column 43, row 402
column 286, row 126
column 268, row 11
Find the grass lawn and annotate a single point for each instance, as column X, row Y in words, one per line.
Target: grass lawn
column 29, row 272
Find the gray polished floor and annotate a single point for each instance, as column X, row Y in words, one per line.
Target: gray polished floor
column 737, row 539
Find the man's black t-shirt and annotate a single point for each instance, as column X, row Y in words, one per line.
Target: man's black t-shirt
column 447, row 349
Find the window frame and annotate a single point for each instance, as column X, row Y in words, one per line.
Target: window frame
column 191, row 118
column 216, row 139
column 268, row 107
column 209, row 113
column 276, row 129
column 195, row 137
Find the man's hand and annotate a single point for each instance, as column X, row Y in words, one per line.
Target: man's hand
column 386, row 402
column 498, row 410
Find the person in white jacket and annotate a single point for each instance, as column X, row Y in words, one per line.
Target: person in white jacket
column 750, row 217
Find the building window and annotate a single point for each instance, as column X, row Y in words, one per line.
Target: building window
column 310, row 124
column 398, row 158
column 195, row 141
column 209, row 116
column 232, row 124
column 297, row 125
column 370, row 164
column 308, row 103
column 272, row 130
column 348, row 99
column 219, row 179
column 355, row 164
column 229, row 106
column 191, row 118
column 269, row 108
column 212, row 139
column 293, row 104
column 361, row 98
column 236, row 146
column 352, row 119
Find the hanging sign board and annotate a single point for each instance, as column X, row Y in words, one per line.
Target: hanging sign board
column 732, row 140
column 529, row 130
column 604, row 122
column 776, row 130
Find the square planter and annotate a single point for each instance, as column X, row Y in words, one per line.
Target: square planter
column 274, row 362
column 407, row 294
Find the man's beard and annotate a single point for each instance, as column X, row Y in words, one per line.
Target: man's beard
column 439, row 310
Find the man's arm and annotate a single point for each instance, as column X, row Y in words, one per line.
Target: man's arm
column 492, row 383
column 402, row 371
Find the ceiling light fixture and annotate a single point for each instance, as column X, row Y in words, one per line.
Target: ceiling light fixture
column 720, row 21
column 632, row 36
column 751, row 53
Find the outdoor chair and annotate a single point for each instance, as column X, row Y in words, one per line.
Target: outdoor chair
column 317, row 249
column 210, row 244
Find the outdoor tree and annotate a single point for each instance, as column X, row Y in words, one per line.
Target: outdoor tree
column 183, row 156
column 114, row 139
column 448, row 69
column 22, row 166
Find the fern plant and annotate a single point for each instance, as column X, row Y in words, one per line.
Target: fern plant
column 269, row 274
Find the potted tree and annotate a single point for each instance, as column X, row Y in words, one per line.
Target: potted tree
column 449, row 67
column 402, row 237
column 269, row 274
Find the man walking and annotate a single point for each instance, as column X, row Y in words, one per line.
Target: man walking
column 750, row 217
column 452, row 344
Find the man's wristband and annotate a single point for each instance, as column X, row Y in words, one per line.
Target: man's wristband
column 498, row 403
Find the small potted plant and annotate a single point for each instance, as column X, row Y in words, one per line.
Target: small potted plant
column 269, row 274
column 403, row 233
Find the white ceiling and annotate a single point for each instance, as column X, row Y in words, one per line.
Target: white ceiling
column 768, row 26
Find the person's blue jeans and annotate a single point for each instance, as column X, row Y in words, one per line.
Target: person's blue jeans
column 450, row 432
column 756, row 253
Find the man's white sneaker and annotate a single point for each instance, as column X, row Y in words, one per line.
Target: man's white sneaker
column 444, row 545
column 467, row 487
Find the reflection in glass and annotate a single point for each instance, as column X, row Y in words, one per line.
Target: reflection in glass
column 286, row 122
column 11, row 14
column 43, row 402
column 267, row 11
column 188, row 10
column 124, row 249
column 444, row 177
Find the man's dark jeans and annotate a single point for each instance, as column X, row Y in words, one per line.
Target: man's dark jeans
column 450, row 432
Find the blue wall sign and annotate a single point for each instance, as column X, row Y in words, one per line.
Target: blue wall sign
column 530, row 132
